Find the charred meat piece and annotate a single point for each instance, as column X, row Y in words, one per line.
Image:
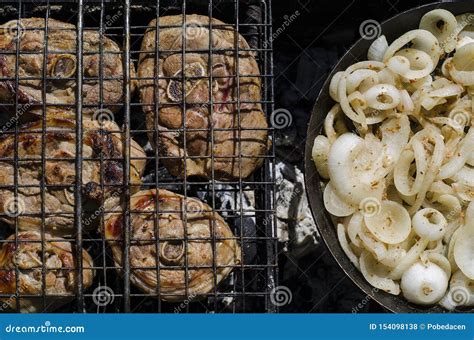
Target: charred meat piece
column 102, row 172
column 233, row 126
column 55, row 256
column 181, row 240
column 28, row 36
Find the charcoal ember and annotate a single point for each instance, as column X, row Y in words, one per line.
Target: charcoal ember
column 232, row 205
column 295, row 225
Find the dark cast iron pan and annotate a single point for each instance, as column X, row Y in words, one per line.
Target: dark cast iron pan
column 392, row 29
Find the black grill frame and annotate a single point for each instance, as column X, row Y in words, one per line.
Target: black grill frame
column 252, row 281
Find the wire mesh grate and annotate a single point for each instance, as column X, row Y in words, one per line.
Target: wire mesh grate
column 247, row 204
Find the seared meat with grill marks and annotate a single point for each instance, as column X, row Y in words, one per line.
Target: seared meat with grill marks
column 220, row 132
column 101, row 141
column 28, row 35
column 172, row 251
column 57, row 258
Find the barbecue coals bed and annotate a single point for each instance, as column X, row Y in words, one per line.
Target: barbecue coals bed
column 170, row 206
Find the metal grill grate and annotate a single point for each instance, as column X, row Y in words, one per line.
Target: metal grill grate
column 249, row 286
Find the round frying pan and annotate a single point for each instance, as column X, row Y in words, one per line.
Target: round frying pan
column 392, row 29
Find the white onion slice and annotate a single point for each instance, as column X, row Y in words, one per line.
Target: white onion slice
column 421, row 40
column 429, row 136
column 388, row 77
column 465, row 34
column 452, row 243
column 348, row 180
column 464, row 251
column 453, row 226
column 334, row 124
column 374, row 116
column 445, row 68
column 377, row 49
column 341, row 235
column 465, row 193
column 440, row 187
column 335, row 204
column 358, row 102
column 370, row 243
column 463, row 152
column 461, row 67
column 441, row 261
column 334, row 84
column 470, row 159
column 406, row 103
column 411, row 64
column 395, row 134
column 465, row 176
column 445, row 32
column 411, row 257
column 382, row 97
column 376, row 274
column 354, row 228
column 342, row 88
column 393, row 256
column 355, row 79
column 429, row 103
column 447, row 91
column 320, row 154
column 391, row 225
column 430, row 224
column 403, row 181
column 463, row 39
column 448, row 204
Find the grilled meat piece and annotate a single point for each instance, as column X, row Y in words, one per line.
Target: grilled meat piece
column 60, row 271
column 172, row 251
column 28, row 35
column 234, row 135
column 100, row 141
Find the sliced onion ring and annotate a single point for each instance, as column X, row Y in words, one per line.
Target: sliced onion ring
column 430, row 224
column 382, row 97
column 377, row 49
column 411, row 64
column 341, row 235
column 391, row 225
column 464, row 251
column 411, row 257
column 421, row 40
column 445, row 32
column 373, row 273
column 334, row 203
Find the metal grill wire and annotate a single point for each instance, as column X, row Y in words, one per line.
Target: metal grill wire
column 249, row 286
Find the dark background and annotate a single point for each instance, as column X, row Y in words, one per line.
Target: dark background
column 304, row 54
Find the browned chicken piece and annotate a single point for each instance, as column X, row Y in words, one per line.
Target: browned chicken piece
column 100, row 141
column 60, row 272
column 172, row 252
column 222, row 131
column 28, row 35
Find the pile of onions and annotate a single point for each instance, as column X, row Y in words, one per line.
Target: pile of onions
column 397, row 159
